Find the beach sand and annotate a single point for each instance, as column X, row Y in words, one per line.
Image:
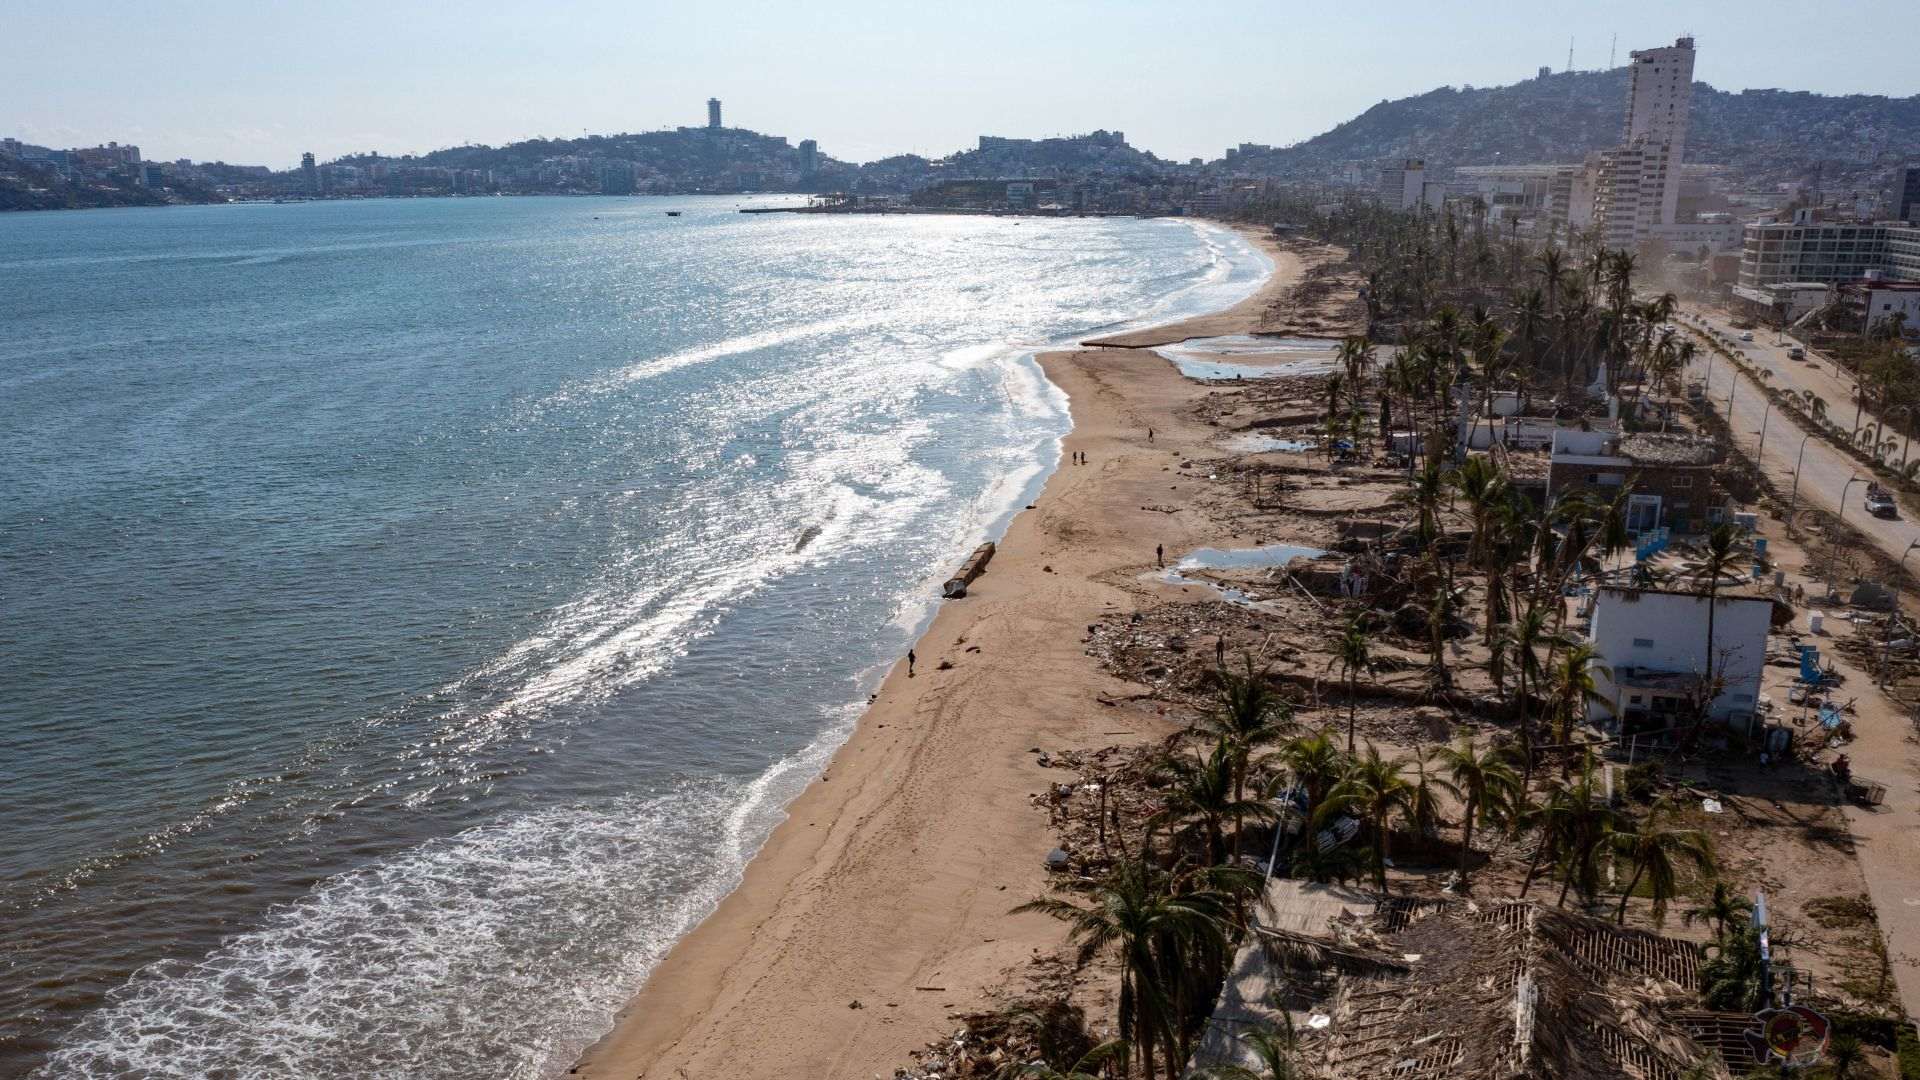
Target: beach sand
column 890, row 883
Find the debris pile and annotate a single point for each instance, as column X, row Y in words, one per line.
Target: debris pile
column 1510, row 989
column 1044, row 1027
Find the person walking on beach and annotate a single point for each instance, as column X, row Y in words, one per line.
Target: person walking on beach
column 910, row 659
column 1149, row 434
column 1160, row 555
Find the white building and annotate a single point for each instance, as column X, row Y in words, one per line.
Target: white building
column 1636, row 185
column 1655, row 643
column 1404, row 185
column 1809, row 249
column 1785, row 301
column 1876, row 300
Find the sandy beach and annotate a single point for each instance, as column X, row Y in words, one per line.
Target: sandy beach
column 880, row 906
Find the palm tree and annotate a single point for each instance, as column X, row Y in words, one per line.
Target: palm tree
column 1426, row 504
column 1314, row 764
column 1200, row 791
column 1550, row 819
column 1438, row 608
column 1724, row 909
column 1374, row 790
column 1352, row 654
column 1425, row 787
column 1525, row 635
column 1484, row 780
column 1249, row 715
column 1136, row 915
column 1658, row 853
column 1723, row 552
column 1843, row 1053
column 1480, row 482
column 1553, row 274
column 1731, row 979
column 1573, row 687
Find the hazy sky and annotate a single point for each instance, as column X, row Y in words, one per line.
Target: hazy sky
column 259, row 81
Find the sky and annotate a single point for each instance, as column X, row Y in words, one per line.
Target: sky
column 261, row 81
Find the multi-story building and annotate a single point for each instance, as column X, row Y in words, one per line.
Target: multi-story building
column 1507, row 190
column 1906, row 194
column 1404, row 185
column 1671, row 475
column 310, row 173
column 1808, row 249
column 1653, row 666
column 809, row 157
column 713, row 113
column 1636, row 186
column 1875, row 302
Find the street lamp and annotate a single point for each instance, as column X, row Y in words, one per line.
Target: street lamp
column 1794, row 496
column 1758, row 458
column 1843, row 496
column 1731, row 390
column 1893, row 617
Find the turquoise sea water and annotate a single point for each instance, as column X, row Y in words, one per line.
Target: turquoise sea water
column 414, row 613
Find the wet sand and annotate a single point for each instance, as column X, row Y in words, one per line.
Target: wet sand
column 880, row 906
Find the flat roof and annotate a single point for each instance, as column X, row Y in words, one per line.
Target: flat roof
column 1632, row 590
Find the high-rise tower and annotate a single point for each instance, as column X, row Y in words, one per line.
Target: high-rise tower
column 1637, row 184
column 713, row 113
column 1657, row 103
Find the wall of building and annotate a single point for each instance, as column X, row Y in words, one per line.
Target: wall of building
column 1668, row 632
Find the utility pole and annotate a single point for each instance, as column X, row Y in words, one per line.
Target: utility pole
column 1613, row 50
column 1569, row 53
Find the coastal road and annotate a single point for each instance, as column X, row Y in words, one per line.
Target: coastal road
column 1824, row 471
column 1885, row 838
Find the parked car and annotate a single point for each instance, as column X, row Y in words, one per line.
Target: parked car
column 1879, row 503
column 1746, row 335
column 1796, row 353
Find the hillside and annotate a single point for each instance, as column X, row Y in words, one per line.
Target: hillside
column 1561, row 117
column 727, row 159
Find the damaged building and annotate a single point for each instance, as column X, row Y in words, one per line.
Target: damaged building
column 1425, row 989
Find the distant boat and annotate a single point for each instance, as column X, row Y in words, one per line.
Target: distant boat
column 673, row 213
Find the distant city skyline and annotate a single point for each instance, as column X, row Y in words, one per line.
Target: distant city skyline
column 231, row 81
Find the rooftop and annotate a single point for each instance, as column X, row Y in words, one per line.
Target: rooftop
column 1448, row 989
column 1648, row 448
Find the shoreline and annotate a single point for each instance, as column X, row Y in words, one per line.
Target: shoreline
column 879, row 906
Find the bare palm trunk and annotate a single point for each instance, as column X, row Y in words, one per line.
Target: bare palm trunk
column 1466, row 836
column 1620, row 916
column 1533, row 866
column 1352, row 708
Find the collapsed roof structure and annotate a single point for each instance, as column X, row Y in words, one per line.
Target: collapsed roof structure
column 1506, row 989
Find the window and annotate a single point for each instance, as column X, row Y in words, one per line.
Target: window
column 1643, row 643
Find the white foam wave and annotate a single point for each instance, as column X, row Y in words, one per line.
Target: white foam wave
column 396, row 971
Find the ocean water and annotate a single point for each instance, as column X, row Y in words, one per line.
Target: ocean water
column 413, row 614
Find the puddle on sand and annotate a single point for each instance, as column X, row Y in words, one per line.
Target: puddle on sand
column 1207, row 558
column 1269, row 444
column 1245, row 356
